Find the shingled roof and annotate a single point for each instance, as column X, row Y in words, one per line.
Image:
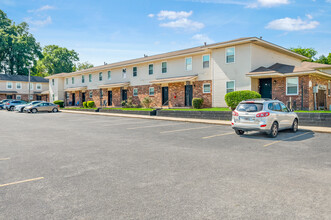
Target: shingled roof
column 22, row 78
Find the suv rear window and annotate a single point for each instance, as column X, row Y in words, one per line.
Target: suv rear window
column 250, row 107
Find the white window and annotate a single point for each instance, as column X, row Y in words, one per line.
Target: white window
column 90, row 77
column 38, row 86
column 206, row 88
column 164, row 67
column 100, row 76
column 72, row 80
column 188, row 63
column 134, row 71
column 53, row 97
column 67, row 81
column 205, row 61
column 135, row 92
column 151, row 91
column 9, row 85
column 91, row 94
column 83, row 79
column 230, row 86
column 31, row 86
column 31, row 97
column 109, row 75
column 18, row 97
column 18, row 85
column 230, row 55
column 292, row 86
column 124, row 73
column 150, row 69
column 67, row 95
column 53, row 82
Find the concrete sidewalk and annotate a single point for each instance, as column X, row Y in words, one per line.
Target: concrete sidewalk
column 194, row 120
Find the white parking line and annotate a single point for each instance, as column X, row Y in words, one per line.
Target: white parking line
column 7, row 158
column 152, row 126
column 218, row 135
column 275, row 142
column 187, row 129
column 22, row 181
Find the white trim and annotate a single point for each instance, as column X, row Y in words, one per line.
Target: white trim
column 234, row 55
column 109, row 75
column 186, row 64
column 149, row 91
column 83, row 77
column 133, row 92
column 90, row 79
column 39, row 84
column 136, row 71
column 19, row 83
column 203, row 88
column 297, row 86
column 100, row 74
column 234, row 85
column 153, row 68
column 18, row 97
column 11, row 83
column 31, row 86
column 208, row 61
column 162, row 67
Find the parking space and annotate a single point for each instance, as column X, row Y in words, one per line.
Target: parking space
column 64, row 166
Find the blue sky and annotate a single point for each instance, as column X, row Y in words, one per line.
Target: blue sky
column 109, row 31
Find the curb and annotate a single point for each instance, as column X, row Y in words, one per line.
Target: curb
column 192, row 120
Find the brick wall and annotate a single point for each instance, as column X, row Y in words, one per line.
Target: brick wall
column 318, row 80
column 198, row 93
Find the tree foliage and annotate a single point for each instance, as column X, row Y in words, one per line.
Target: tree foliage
column 56, row 60
column 83, row 66
column 18, row 48
column 307, row 52
column 325, row 60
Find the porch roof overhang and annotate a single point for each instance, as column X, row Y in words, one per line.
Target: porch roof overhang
column 175, row 79
column 277, row 74
column 75, row 89
column 114, row 85
column 8, row 92
column 45, row 92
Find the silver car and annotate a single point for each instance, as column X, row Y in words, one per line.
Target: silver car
column 263, row 115
column 20, row 108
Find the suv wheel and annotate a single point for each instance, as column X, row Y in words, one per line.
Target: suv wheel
column 239, row 132
column 295, row 125
column 274, row 130
column 12, row 108
column 55, row 110
column 34, row 110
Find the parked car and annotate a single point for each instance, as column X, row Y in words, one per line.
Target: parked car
column 3, row 102
column 42, row 107
column 263, row 115
column 10, row 106
column 20, row 108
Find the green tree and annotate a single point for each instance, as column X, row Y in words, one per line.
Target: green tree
column 83, row 66
column 325, row 60
column 308, row 52
column 18, row 48
column 56, row 60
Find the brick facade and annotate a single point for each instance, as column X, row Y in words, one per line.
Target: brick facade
column 305, row 93
column 176, row 94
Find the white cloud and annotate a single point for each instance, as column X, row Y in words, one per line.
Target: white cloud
column 39, row 23
column 271, row 3
column 178, row 20
column 248, row 3
column 201, row 38
column 43, row 8
column 184, row 23
column 292, row 24
column 173, row 15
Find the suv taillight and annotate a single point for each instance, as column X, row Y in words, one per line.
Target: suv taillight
column 262, row 114
column 234, row 113
column 7, row 103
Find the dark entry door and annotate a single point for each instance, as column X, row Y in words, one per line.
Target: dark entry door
column 266, row 88
column 188, row 95
column 165, row 96
column 83, row 97
column 110, row 98
column 73, row 99
column 9, row 96
column 124, row 95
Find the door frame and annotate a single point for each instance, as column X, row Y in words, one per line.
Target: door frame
column 188, row 103
column 110, row 97
column 163, row 100
column 260, row 87
column 73, row 99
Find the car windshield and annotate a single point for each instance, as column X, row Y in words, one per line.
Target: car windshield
column 249, row 107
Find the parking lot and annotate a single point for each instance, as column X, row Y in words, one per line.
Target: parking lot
column 65, row 166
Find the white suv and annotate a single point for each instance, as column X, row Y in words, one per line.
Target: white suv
column 263, row 115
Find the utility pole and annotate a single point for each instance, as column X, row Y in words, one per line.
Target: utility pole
column 29, row 85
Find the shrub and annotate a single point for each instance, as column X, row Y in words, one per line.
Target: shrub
column 232, row 99
column 123, row 103
column 90, row 104
column 60, row 103
column 147, row 101
column 129, row 103
column 197, row 103
column 85, row 104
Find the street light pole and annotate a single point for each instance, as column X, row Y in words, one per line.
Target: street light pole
column 29, row 85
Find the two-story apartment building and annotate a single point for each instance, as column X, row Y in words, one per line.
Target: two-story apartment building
column 17, row 87
column 210, row 71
